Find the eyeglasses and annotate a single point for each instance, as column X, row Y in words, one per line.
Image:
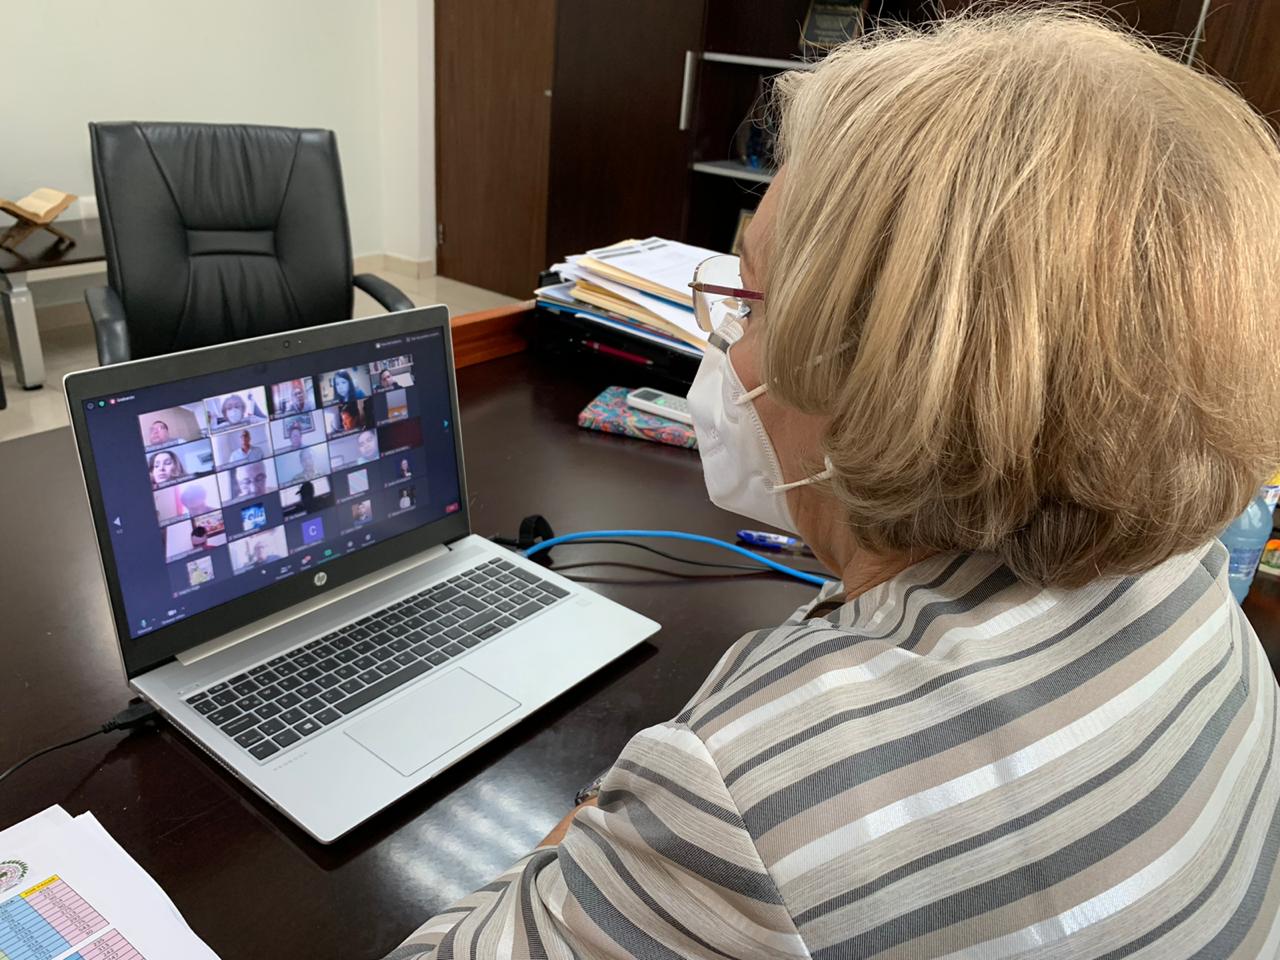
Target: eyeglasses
column 719, row 295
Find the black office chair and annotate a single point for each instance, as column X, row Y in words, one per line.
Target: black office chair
column 219, row 232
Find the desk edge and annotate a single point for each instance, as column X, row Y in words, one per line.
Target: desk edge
column 489, row 334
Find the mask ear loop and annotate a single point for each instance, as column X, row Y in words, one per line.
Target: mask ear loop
column 826, row 474
column 828, row 468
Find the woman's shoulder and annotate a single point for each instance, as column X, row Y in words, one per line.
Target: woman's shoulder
column 957, row 634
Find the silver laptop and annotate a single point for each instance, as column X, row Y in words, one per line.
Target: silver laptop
column 283, row 529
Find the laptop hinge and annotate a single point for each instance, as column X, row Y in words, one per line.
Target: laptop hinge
column 259, row 627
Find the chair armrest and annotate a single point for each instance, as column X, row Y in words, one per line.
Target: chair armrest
column 385, row 293
column 108, row 324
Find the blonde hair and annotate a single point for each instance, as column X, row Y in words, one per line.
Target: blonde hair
column 1041, row 264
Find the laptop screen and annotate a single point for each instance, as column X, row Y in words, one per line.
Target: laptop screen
column 218, row 486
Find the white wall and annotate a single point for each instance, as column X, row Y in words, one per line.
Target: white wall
column 427, row 124
column 354, row 66
column 408, row 149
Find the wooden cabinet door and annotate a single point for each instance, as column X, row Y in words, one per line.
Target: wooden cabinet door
column 619, row 162
column 493, row 64
column 1242, row 45
column 1240, row 42
column 1171, row 22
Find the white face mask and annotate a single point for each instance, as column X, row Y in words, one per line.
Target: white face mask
column 739, row 464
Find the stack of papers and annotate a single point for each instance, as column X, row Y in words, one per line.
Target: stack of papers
column 640, row 287
column 70, row 892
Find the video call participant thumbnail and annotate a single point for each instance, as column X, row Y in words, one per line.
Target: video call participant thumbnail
column 202, row 533
column 343, row 386
column 233, row 410
column 353, row 450
column 405, row 467
column 241, row 446
column 268, row 546
column 295, row 466
column 357, row 483
column 400, row 435
column 173, row 425
column 297, row 431
column 310, row 531
column 253, row 517
column 392, row 373
column 362, row 512
column 397, row 404
column 165, row 468
column 172, row 464
column 408, row 498
column 199, row 570
column 293, row 396
column 349, row 417
column 307, row 497
column 206, row 530
column 247, row 480
column 189, row 498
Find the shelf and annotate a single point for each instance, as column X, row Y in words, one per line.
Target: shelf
column 732, row 168
column 769, row 63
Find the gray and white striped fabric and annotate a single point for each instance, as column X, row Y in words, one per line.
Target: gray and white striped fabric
column 955, row 764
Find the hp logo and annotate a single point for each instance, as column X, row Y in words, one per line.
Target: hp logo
column 320, row 579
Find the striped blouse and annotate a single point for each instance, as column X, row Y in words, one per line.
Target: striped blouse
column 955, row 764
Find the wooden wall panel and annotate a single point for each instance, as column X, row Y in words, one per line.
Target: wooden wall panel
column 618, row 158
column 1169, row 20
column 493, row 126
column 1242, row 45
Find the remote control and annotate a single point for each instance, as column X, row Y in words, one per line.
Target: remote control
column 660, row 404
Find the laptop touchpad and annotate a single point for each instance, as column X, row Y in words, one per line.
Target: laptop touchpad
column 430, row 720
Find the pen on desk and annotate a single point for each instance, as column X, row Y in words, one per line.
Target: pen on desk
column 774, row 541
column 615, row 352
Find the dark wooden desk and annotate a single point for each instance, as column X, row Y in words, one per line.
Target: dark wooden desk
column 248, row 882
column 40, row 251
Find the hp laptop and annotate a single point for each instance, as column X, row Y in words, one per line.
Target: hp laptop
column 283, row 529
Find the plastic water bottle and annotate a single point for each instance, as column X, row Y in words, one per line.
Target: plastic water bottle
column 1246, row 538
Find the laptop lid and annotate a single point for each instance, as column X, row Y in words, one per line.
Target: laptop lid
column 231, row 482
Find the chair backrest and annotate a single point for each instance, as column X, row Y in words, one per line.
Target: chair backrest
column 218, row 232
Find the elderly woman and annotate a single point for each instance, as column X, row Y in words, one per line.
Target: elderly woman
column 1000, row 351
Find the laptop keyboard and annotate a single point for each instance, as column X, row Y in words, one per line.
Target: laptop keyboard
column 289, row 698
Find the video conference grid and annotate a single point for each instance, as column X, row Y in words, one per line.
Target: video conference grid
column 290, row 440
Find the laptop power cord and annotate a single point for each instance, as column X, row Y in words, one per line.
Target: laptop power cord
column 136, row 714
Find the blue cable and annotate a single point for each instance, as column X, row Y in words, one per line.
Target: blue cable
column 680, row 535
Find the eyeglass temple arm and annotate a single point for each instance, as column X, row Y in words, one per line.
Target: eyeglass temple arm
column 726, row 291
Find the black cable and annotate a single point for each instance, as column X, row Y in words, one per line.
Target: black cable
column 131, row 716
column 654, row 549
column 668, row 556
column 749, row 568
column 527, row 541
column 535, row 529
column 675, row 574
column 40, row 753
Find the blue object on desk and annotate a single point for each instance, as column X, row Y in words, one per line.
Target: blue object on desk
column 774, row 541
column 770, row 541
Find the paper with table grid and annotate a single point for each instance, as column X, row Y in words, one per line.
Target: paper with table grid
column 68, row 891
